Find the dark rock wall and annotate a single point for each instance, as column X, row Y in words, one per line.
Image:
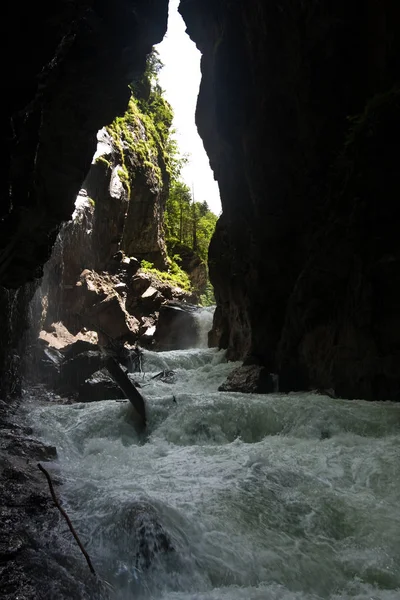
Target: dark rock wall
column 280, row 80
column 15, row 319
column 67, row 72
column 67, row 76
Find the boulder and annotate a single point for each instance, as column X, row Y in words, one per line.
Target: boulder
column 249, row 379
column 123, row 266
column 152, row 539
column 176, row 328
column 46, row 363
column 136, row 287
column 150, row 301
column 77, row 348
column 99, row 386
column 111, row 319
column 76, row 370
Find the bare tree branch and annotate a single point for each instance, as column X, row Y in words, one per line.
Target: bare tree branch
column 66, row 517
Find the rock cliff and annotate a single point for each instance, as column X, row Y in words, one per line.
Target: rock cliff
column 304, row 261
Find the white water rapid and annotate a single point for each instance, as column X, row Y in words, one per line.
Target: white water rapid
column 204, row 319
column 278, row 497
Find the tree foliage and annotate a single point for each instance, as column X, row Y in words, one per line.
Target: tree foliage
column 187, row 222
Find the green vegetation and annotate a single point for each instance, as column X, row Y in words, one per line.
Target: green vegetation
column 208, row 298
column 144, row 132
column 144, row 140
column 175, row 275
column 187, row 222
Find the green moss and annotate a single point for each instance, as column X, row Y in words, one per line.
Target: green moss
column 144, row 135
column 100, row 160
column 175, row 275
column 125, row 179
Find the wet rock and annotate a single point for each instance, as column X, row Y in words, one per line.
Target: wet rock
column 78, row 347
column 176, row 328
column 76, row 370
column 249, row 379
column 152, row 539
column 32, row 550
column 99, row 386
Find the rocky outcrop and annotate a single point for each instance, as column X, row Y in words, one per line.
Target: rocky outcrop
column 118, row 307
column 27, row 517
column 249, row 379
column 279, row 83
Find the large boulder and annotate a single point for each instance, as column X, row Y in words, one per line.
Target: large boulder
column 99, row 386
column 176, row 328
column 110, row 318
column 249, row 379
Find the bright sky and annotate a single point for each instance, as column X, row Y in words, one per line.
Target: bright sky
column 180, row 78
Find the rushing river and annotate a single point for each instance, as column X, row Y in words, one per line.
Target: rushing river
column 278, row 497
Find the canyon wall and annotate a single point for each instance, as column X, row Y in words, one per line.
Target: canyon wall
column 67, row 71
column 305, row 258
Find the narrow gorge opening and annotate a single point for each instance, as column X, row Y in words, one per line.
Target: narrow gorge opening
column 131, row 266
column 264, row 466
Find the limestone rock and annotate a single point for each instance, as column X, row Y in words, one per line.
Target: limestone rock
column 249, row 379
column 139, row 284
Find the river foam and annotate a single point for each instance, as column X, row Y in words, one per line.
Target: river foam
column 278, row 497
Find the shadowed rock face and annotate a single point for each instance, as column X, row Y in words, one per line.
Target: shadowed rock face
column 59, row 94
column 67, row 75
column 280, row 80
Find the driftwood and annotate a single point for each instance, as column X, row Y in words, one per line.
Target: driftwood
column 130, row 391
column 164, row 374
column 66, row 517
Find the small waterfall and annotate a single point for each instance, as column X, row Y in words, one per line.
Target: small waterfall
column 204, row 318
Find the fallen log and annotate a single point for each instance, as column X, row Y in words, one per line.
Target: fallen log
column 130, row 391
